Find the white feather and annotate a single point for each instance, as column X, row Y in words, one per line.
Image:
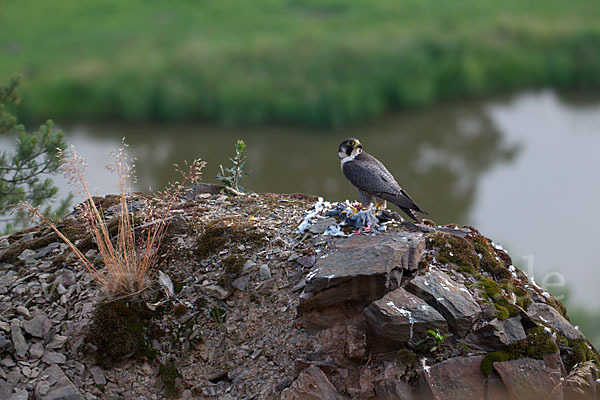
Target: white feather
column 166, row 283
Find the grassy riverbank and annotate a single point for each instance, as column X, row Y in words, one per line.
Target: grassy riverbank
column 308, row 62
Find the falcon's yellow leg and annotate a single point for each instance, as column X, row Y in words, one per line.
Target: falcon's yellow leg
column 380, row 205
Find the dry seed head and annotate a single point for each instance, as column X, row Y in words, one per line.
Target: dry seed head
column 124, row 167
column 74, row 168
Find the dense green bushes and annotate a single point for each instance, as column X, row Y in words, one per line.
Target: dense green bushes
column 317, row 63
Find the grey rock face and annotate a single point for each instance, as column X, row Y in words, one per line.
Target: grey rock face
column 178, row 225
column 23, row 311
column 495, row 388
column 27, row 256
column 36, row 350
column 456, row 378
column 61, row 388
column 264, row 272
column 4, row 343
column 283, row 383
column 496, row 333
column 392, row 388
column 20, row 395
column 44, row 251
column 241, row 282
column 452, row 299
column 249, row 266
column 37, row 326
column 307, row 261
column 549, row 315
column 57, row 342
column 401, row 317
column 18, row 340
column 14, row 377
column 216, row 291
column 526, row 378
column 98, row 375
column 359, row 269
column 312, row 383
column 66, row 278
column 5, row 389
column 53, row 357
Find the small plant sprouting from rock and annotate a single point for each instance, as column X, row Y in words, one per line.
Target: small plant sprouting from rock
column 130, row 258
column 438, row 339
column 169, row 374
column 218, row 315
column 231, row 176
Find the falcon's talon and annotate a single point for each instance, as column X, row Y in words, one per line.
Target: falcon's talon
column 365, row 229
column 357, row 208
column 374, row 182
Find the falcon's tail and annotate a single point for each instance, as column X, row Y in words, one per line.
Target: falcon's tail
column 406, row 204
column 412, row 214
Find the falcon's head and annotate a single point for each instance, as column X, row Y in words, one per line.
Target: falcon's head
column 350, row 147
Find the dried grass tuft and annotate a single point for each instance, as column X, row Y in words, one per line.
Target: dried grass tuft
column 131, row 256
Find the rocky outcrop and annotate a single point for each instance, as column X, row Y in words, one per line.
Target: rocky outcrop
column 311, row 384
column 361, row 268
column 475, row 326
column 548, row 315
column 530, row 379
column 453, row 299
column 258, row 308
column 400, row 317
column 455, row 378
column 494, row 334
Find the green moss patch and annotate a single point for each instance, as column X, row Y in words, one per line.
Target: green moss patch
column 523, row 298
column 73, row 229
column 471, row 254
column 581, row 351
column 559, row 306
column 179, row 310
column 487, row 364
column 501, row 312
column 454, row 249
column 117, row 331
column 492, row 292
column 232, row 269
column 406, row 359
column 489, row 261
column 217, row 235
column 474, row 255
column 11, row 254
column 168, row 374
column 535, row 345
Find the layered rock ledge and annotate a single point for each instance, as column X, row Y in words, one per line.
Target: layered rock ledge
column 263, row 311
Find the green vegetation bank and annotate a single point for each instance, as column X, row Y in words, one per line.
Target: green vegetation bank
column 325, row 62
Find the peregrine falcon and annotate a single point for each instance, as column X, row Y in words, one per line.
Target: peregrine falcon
column 374, row 182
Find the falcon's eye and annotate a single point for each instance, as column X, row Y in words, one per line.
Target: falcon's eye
column 351, row 144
